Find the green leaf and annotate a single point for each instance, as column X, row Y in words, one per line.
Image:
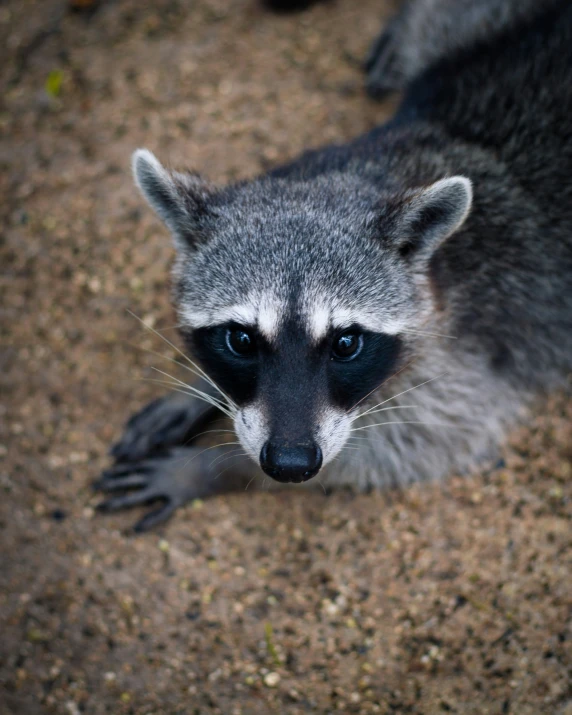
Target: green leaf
column 54, row 83
column 270, row 647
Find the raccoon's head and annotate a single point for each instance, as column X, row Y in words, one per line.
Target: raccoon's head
column 296, row 297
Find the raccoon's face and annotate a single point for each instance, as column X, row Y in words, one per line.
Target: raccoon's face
column 297, row 297
column 296, row 390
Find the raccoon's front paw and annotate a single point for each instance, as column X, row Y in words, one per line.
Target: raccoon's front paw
column 383, row 66
column 163, row 423
column 185, row 473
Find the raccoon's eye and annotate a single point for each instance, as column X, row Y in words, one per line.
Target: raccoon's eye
column 347, row 346
column 240, row 343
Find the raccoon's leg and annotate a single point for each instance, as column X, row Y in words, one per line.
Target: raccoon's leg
column 183, row 474
column 166, row 422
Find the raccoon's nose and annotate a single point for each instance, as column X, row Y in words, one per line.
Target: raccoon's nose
column 296, row 463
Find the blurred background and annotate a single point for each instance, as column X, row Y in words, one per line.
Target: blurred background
column 447, row 598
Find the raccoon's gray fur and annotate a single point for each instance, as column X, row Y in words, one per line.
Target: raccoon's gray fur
column 438, row 248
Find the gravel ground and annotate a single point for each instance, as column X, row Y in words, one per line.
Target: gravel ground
column 451, row 598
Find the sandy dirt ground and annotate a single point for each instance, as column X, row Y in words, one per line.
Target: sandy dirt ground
column 452, row 598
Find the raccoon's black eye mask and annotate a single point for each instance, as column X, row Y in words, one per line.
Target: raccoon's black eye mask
column 231, row 355
column 375, row 359
column 344, row 367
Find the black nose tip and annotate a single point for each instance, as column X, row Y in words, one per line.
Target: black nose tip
column 287, row 463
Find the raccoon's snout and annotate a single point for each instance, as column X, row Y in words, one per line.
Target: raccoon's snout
column 287, row 463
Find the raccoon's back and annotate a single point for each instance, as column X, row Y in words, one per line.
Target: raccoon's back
column 512, row 94
column 509, row 273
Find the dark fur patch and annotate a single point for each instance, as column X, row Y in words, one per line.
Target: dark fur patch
column 294, row 377
column 285, row 6
column 349, row 382
column 237, row 376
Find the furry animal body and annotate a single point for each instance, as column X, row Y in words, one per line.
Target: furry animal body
column 408, row 294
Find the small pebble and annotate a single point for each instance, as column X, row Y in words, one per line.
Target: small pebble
column 271, row 680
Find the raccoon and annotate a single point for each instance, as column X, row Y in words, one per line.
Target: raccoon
column 380, row 312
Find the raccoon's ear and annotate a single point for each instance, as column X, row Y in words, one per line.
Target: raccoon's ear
column 180, row 200
column 427, row 217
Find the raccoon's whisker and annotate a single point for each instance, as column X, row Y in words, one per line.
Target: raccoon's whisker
column 171, row 345
column 385, row 409
column 208, row 398
column 223, row 457
column 186, row 357
column 195, row 369
column 170, row 327
column 193, row 389
column 356, row 443
column 250, row 482
column 244, row 454
column 223, row 408
column 387, row 379
column 206, row 449
column 431, row 335
column 211, row 431
column 189, row 390
column 180, row 364
column 175, row 388
column 323, row 487
column 371, row 409
column 409, row 422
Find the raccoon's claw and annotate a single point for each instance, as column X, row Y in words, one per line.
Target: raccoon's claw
column 382, row 66
column 165, row 479
column 163, row 423
column 153, row 518
column 151, row 465
column 183, row 474
column 380, row 44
